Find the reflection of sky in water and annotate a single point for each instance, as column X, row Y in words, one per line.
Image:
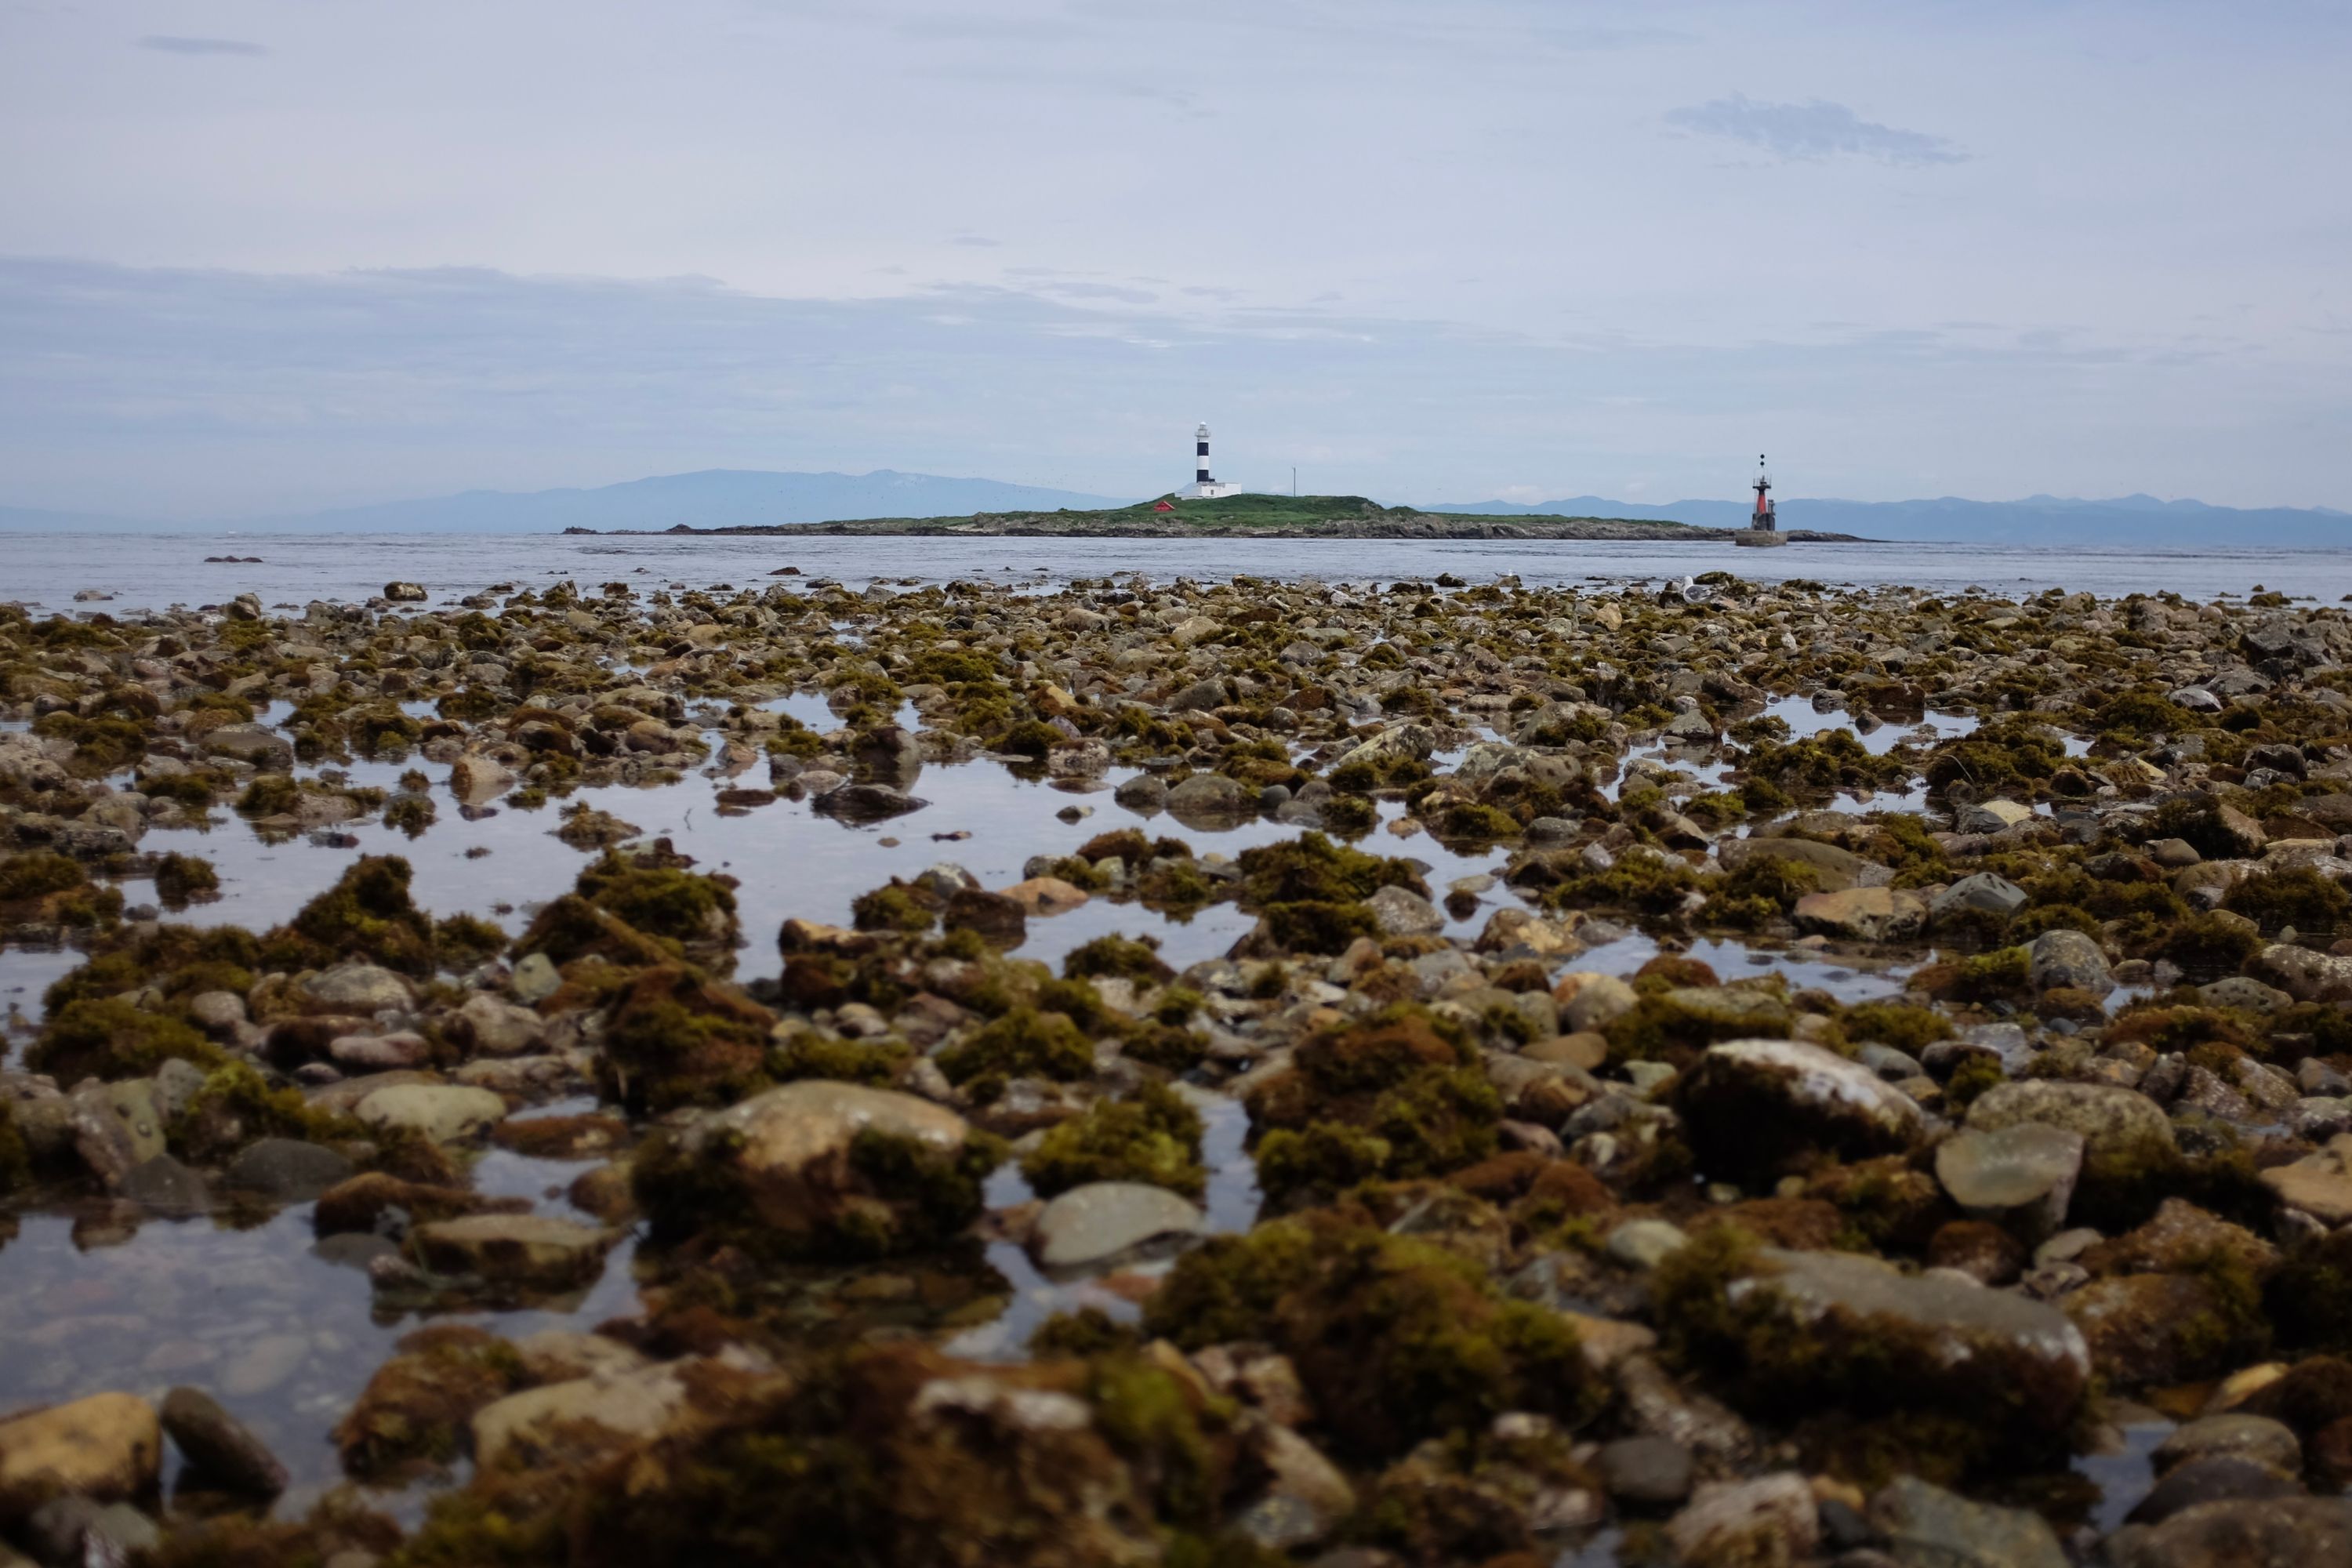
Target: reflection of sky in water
column 284, row 1337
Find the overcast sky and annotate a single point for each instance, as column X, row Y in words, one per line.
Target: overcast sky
column 265, row 255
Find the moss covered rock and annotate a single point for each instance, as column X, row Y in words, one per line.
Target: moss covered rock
column 820, row 1168
column 1394, row 1339
column 1754, row 1109
column 1799, row 1333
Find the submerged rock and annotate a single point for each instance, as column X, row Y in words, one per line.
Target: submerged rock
column 220, row 1448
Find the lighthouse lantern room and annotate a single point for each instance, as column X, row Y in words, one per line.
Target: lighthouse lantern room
column 1204, row 486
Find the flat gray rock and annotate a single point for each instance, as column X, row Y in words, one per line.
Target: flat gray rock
column 1103, row 1220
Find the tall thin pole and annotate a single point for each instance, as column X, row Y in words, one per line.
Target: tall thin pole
column 1294, row 480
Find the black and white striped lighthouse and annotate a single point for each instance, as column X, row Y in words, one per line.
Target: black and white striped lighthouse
column 1205, row 486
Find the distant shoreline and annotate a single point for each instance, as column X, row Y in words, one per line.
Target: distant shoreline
column 1426, row 526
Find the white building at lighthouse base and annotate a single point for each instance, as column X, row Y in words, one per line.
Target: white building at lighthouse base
column 1208, row 489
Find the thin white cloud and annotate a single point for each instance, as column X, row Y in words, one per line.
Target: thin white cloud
column 1812, row 130
column 168, row 44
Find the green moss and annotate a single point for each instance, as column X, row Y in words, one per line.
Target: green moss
column 1990, row 976
column 673, row 1036
column 411, row 814
column 2006, row 756
column 367, row 914
column 236, row 1105
column 107, row 1037
column 1969, row 1081
column 1153, row 1135
column 460, row 941
column 1311, row 925
column 808, row 1054
column 193, row 790
column 1173, row 1437
column 2140, row 713
column 16, row 1161
column 2205, row 946
column 1023, row 1043
column 1129, row 845
column 1675, row 1024
column 695, row 912
column 38, row 874
column 177, row 961
column 413, row 1411
column 1349, row 815
column 1652, row 886
column 1717, row 1314
column 1901, row 1024
column 903, row 1194
column 1391, row 1096
column 1830, row 760
column 1088, row 1332
column 103, row 743
column 1312, row 870
column 1135, row 959
column 270, row 794
column 2030, row 923
column 180, row 879
column 1395, row 1339
column 1181, row 885
column 1762, row 890
column 2296, row 895
column 1318, row 1161
column 893, row 908
column 1473, row 823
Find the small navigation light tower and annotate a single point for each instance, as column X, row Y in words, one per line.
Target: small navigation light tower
column 1205, row 487
column 1764, row 524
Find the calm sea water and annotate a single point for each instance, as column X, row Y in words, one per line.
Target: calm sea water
column 152, row 570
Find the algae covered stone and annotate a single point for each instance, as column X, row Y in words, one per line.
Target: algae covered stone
column 534, row 1251
column 107, row 1446
column 1802, row 1332
column 1755, row 1108
column 823, row 1166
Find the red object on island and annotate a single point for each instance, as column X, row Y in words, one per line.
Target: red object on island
column 1163, row 506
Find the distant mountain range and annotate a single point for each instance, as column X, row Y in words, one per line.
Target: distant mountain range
column 714, row 498
column 740, row 497
column 2136, row 520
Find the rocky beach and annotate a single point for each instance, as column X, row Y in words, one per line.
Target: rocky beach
column 1125, row 1071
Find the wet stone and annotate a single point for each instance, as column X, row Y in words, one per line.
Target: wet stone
column 219, row 1447
column 1102, row 1220
column 532, row 1250
column 443, row 1112
column 105, row 1447
column 2254, row 1438
column 1646, row 1472
column 1924, row 1526
column 2025, row 1172
column 288, row 1170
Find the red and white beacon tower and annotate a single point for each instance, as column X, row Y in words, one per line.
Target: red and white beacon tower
column 1763, row 522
